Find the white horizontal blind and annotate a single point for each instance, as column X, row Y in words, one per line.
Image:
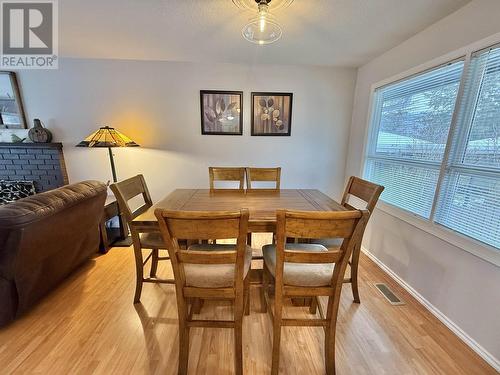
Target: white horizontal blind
column 410, row 125
column 407, row 186
column 469, row 201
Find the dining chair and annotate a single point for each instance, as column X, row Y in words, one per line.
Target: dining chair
column 304, row 270
column 226, row 174
column 263, row 175
column 366, row 194
column 208, row 271
column 125, row 191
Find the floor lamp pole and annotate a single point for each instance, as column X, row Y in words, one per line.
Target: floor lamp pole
column 112, row 161
column 125, row 240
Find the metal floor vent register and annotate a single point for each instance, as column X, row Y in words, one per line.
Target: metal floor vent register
column 389, row 295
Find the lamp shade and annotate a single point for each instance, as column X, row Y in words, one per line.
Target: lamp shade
column 107, row 137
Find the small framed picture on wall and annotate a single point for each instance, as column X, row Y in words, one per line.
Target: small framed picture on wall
column 221, row 112
column 11, row 106
column 271, row 113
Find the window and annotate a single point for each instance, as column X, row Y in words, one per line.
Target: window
column 435, row 145
column 411, row 122
column 469, row 200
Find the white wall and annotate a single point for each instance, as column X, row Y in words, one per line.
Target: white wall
column 463, row 287
column 157, row 105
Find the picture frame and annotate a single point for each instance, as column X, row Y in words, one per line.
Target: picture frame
column 12, row 115
column 271, row 113
column 221, row 112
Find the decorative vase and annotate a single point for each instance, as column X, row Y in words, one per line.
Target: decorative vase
column 39, row 134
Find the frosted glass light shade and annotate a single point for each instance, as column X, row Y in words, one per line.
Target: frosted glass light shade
column 262, row 31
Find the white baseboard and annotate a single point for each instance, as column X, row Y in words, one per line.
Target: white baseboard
column 483, row 353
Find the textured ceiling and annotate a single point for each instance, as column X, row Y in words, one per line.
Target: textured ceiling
column 316, row 32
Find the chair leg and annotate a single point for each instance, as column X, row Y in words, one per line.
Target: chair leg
column 313, row 306
column 354, row 274
column 264, row 289
column 154, row 262
column 139, row 271
column 238, row 334
column 246, row 289
column 183, row 348
column 278, row 309
column 249, row 239
column 238, row 348
column 197, row 305
column 330, row 349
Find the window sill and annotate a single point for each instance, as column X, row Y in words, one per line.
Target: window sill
column 477, row 248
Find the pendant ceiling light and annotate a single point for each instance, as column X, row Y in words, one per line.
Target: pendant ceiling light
column 263, row 28
column 273, row 5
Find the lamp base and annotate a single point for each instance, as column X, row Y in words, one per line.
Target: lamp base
column 117, row 238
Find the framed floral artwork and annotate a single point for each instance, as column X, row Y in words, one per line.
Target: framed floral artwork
column 271, row 113
column 221, row 112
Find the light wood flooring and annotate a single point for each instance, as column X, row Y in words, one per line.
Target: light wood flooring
column 90, row 326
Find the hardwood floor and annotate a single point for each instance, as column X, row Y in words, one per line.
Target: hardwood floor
column 90, row 326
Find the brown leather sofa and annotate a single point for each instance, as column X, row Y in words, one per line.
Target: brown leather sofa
column 43, row 238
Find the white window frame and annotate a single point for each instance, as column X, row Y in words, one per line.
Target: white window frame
column 475, row 247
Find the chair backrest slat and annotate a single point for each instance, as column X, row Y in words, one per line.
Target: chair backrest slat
column 140, row 210
column 227, row 174
column 306, row 224
column 203, row 229
column 263, row 174
column 130, row 188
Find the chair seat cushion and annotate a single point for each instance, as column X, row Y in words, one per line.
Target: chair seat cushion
column 152, row 240
column 214, row 275
column 300, row 274
column 329, row 243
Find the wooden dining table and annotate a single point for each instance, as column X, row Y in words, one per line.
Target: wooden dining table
column 262, row 204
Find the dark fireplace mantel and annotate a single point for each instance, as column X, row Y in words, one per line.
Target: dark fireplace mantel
column 42, row 163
